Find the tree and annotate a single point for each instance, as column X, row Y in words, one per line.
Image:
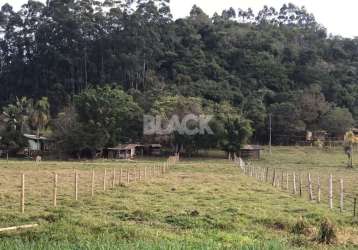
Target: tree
column 337, row 121
column 313, row 106
column 237, row 132
column 58, row 49
column 286, row 122
column 15, row 117
column 178, row 107
column 106, row 116
column 234, row 130
column 40, row 115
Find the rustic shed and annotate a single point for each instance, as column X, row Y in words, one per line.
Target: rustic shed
column 153, row 149
column 125, row 151
column 320, row 135
column 38, row 144
column 252, row 152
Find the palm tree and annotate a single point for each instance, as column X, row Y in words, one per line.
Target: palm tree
column 16, row 115
column 40, row 116
column 15, row 118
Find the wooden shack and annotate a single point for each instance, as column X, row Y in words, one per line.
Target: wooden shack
column 125, row 151
column 319, row 135
column 251, row 152
column 37, row 145
column 153, row 149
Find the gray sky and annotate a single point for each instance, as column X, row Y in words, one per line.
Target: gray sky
column 339, row 17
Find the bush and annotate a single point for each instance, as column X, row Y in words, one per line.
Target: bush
column 300, row 227
column 327, row 232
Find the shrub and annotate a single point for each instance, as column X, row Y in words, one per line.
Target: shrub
column 300, row 227
column 327, row 232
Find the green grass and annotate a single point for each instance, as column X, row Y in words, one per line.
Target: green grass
column 199, row 204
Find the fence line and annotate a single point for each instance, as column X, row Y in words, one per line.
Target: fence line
column 83, row 183
column 295, row 185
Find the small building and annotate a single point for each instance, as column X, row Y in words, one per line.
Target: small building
column 125, row 151
column 316, row 135
column 153, row 149
column 251, row 152
column 37, row 145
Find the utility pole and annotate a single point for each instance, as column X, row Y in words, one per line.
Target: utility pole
column 270, row 129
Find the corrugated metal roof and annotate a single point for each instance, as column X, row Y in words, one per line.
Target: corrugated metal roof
column 155, row 145
column 34, row 137
column 126, row 147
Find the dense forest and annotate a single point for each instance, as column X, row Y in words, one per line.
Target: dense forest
column 78, row 53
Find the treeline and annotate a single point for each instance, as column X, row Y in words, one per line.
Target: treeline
column 278, row 62
column 102, row 117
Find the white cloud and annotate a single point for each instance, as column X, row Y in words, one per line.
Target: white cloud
column 339, row 17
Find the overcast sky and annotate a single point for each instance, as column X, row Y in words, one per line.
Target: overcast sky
column 339, row 17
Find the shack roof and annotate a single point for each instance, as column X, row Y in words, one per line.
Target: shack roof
column 154, row 145
column 126, row 147
column 35, row 137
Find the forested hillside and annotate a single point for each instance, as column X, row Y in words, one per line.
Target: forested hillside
column 278, row 62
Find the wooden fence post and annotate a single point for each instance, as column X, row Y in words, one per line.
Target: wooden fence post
column 330, row 188
column 120, row 176
column 287, row 181
column 354, row 207
column 145, row 173
column 342, row 196
column 319, row 190
column 278, row 183
column 282, row 180
column 104, row 179
column 274, row 177
column 140, row 174
column 76, row 185
column 55, row 190
column 267, row 173
column 300, row 184
column 92, row 183
column 310, row 191
column 128, row 177
column 263, row 175
column 23, row 193
column 134, row 175
column 294, row 183
column 114, row 178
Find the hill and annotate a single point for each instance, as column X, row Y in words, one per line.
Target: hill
column 278, row 61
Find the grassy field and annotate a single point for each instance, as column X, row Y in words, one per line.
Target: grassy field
column 320, row 164
column 199, row 204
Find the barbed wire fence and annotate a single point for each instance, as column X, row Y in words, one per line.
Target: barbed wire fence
column 42, row 190
column 338, row 192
